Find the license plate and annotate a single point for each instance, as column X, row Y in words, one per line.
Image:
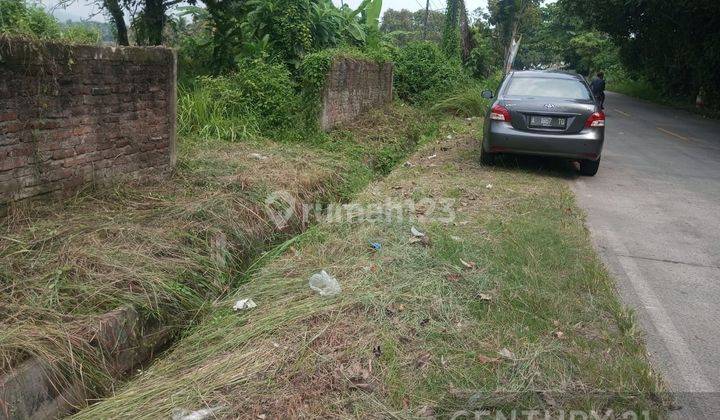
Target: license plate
column 547, row 122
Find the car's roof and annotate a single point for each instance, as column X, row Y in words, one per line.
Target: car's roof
column 550, row 74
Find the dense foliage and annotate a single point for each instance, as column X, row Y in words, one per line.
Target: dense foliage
column 404, row 26
column 673, row 44
column 561, row 40
column 451, row 30
column 282, row 29
column 17, row 17
column 257, row 97
column 655, row 49
column 422, row 71
column 252, row 68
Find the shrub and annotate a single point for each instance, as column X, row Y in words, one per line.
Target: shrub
column 79, row 34
column 466, row 103
column 258, row 97
column 267, row 89
column 26, row 19
column 422, row 72
column 484, row 58
column 467, row 100
column 19, row 18
column 202, row 115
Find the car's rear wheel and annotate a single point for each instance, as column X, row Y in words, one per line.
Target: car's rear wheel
column 589, row 167
column 486, row 158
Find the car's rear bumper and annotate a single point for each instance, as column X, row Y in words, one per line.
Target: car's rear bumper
column 501, row 137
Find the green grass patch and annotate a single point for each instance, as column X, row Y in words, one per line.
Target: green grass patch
column 170, row 249
column 507, row 307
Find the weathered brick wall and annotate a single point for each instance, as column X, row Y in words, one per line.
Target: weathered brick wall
column 70, row 116
column 353, row 87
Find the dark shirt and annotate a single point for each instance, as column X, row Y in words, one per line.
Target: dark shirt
column 597, row 86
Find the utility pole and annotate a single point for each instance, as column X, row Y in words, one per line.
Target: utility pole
column 427, row 11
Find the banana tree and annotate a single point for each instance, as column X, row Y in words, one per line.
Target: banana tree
column 369, row 11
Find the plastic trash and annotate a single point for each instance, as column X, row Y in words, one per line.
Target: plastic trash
column 324, row 284
column 416, row 233
column 489, row 186
column 244, row 304
column 469, row 265
column 376, row 246
column 183, row 414
column 257, row 156
column 506, row 354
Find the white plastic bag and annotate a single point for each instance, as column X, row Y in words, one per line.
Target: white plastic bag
column 244, row 304
column 183, row 414
column 325, row 284
column 416, row 233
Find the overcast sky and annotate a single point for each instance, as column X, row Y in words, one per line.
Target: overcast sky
column 84, row 9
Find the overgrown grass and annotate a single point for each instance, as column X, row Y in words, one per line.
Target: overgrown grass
column 155, row 246
column 530, row 320
column 201, row 115
column 467, row 100
column 257, row 98
column 643, row 89
column 423, row 73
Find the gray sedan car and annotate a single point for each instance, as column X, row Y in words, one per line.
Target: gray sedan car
column 545, row 113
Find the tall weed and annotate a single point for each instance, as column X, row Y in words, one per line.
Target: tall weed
column 202, row 115
column 257, row 98
column 423, row 72
column 467, row 100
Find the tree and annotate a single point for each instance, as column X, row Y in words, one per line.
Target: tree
column 284, row 29
column 466, row 40
column 673, row 44
column 510, row 17
column 17, row 17
column 484, row 56
column 399, row 20
column 117, row 16
column 594, row 51
column 548, row 44
column 451, row 33
column 404, row 26
column 148, row 18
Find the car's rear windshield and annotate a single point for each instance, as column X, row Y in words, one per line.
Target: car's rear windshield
column 547, row 87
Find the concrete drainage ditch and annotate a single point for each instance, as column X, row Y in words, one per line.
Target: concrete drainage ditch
column 35, row 391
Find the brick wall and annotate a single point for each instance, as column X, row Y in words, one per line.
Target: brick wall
column 353, row 87
column 70, row 116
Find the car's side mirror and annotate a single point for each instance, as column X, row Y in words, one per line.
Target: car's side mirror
column 487, row 94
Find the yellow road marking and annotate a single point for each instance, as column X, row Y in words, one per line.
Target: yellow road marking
column 621, row 112
column 673, row 134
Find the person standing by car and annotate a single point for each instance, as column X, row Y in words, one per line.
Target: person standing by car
column 598, row 89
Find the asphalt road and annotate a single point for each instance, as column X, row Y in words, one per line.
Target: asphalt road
column 654, row 214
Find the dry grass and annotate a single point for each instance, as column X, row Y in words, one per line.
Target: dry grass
column 415, row 332
column 152, row 246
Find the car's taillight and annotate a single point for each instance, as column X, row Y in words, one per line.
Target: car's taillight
column 499, row 113
column 597, row 119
